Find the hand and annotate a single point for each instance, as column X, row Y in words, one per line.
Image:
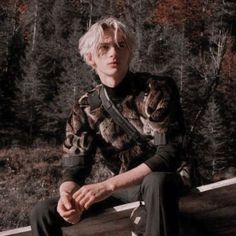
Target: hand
column 89, row 194
column 68, row 210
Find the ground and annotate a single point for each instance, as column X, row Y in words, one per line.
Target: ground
column 27, row 175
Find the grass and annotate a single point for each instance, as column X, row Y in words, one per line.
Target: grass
column 27, row 175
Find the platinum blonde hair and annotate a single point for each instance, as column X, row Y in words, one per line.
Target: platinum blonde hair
column 89, row 42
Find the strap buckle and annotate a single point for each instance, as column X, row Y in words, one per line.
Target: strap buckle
column 160, row 139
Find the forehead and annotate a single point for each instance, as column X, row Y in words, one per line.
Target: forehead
column 109, row 36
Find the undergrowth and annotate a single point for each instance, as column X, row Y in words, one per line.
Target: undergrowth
column 27, row 175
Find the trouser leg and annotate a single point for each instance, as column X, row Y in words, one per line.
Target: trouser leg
column 159, row 191
column 128, row 195
column 45, row 220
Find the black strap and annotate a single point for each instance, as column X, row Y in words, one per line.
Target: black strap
column 72, row 160
column 121, row 120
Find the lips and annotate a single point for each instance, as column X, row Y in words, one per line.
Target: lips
column 113, row 63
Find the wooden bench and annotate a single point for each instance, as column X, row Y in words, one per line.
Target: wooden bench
column 209, row 208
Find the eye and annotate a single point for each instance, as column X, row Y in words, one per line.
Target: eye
column 104, row 47
column 121, row 44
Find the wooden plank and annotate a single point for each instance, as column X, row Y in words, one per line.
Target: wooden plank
column 219, row 184
column 198, row 202
column 23, row 231
column 127, row 206
column 211, row 207
column 207, row 206
column 109, row 223
column 220, row 221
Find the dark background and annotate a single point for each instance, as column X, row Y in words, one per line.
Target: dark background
column 41, row 73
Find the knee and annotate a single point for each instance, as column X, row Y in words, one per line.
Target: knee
column 41, row 210
column 159, row 181
column 156, row 178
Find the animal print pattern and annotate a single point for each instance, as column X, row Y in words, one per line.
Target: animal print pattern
column 103, row 147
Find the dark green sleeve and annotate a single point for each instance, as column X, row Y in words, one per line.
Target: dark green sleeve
column 169, row 155
column 77, row 147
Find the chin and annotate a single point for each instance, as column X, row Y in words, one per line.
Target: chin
column 113, row 78
column 112, row 84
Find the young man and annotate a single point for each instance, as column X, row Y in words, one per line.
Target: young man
column 100, row 158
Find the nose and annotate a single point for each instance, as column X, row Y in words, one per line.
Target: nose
column 113, row 51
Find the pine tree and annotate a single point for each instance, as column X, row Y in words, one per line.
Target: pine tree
column 212, row 149
column 29, row 102
column 30, row 96
column 70, row 75
column 5, row 35
column 11, row 48
column 226, row 97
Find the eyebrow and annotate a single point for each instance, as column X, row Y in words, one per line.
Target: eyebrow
column 105, row 44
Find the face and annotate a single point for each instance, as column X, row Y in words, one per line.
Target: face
column 111, row 61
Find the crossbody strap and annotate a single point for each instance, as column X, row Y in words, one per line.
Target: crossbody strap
column 120, row 120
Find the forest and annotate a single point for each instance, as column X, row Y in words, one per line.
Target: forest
column 42, row 73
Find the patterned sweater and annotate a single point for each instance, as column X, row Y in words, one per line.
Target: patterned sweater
column 96, row 148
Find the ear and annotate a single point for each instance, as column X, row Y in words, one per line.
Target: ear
column 90, row 61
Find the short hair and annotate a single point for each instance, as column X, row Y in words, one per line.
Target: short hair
column 89, row 42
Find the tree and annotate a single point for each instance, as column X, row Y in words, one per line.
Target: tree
column 5, row 36
column 11, row 48
column 213, row 149
column 29, row 103
column 30, row 95
column 63, row 68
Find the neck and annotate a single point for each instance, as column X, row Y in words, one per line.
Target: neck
column 120, row 90
column 112, row 81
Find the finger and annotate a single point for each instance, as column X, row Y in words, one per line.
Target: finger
column 63, row 211
column 87, row 201
column 81, row 191
column 78, row 207
column 67, row 214
column 90, row 202
column 66, row 201
column 60, row 206
column 74, row 218
column 82, row 196
column 78, row 192
column 79, row 196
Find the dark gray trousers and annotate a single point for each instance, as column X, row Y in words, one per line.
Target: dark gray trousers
column 159, row 191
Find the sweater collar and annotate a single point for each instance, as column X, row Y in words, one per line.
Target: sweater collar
column 121, row 90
